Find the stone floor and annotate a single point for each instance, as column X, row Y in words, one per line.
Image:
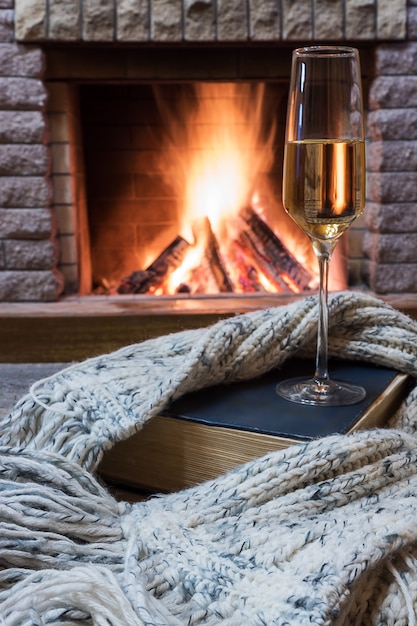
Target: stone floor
column 16, row 379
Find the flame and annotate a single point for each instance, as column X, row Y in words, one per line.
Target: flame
column 213, row 158
column 216, row 157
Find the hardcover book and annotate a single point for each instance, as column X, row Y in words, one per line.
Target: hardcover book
column 210, row 431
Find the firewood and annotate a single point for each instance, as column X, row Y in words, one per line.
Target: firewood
column 271, row 249
column 142, row 281
column 203, row 232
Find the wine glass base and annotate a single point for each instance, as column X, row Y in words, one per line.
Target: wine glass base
column 309, row 391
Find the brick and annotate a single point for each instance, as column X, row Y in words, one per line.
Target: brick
column 390, row 277
column 391, row 156
column 360, row 19
column 30, row 16
column 62, row 189
column 392, row 124
column 265, row 20
column 391, row 19
column 412, row 23
column 166, row 20
column 329, row 19
column 132, row 20
column 390, row 92
column 400, row 217
column 23, row 160
column 98, row 20
column 396, row 59
column 59, row 127
column 199, row 20
column 64, row 215
column 60, row 159
column 67, row 250
column 25, row 223
column 392, row 187
column 25, row 286
column 297, row 20
column 70, row 276
column 64, row 20
column 21, row 127
column 232, row 20
column 24, row 192
column 6, row 25
column 29, row 255
column 390, row 247
column 20, row 60
column 22, row 94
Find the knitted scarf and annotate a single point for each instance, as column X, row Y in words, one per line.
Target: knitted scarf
column 320, row 533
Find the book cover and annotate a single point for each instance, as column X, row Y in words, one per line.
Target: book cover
column 210, row 431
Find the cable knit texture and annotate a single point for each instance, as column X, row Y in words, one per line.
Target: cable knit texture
column 321, row 533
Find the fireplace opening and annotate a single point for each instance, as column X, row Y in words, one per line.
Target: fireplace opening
column 183, row 191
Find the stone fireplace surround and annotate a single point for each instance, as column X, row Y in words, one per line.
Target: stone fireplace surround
column 47, row 49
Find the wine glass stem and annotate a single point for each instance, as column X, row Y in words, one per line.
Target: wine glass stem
column 323, row 252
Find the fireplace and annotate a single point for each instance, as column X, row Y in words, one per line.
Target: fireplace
column 52, row 231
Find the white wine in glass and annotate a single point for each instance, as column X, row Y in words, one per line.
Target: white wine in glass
column 324, row 184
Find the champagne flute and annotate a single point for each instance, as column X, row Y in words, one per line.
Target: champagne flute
column 324, row 184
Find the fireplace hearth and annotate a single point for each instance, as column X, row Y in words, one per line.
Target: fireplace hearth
column 50, row 57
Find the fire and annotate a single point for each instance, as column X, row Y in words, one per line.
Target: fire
column 217, row 158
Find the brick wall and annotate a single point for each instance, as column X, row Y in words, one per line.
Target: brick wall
column 42, row 227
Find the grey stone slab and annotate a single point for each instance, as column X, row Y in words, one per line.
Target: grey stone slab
column 386, row 124
column 384, row 156
column 390, row 278
column 392, row 218
column 65, row 20
column 329, row 19
column 23, row 160
column 21, row 254
column 30, row 20
column 22, row 93
column 21, row 60
column 265, row 20
column 25, row 223
column 391, row 248
column 22, row 127
column 24, row 191
column 297, row 20
column 98, row 23
column 199, row 20
column 133, row 20
column 361, row 19
column 394, row 92
column 392, row 19
column 30, row 286
column 387, row 187
column 166, row 20
column 17, row 378
column 232, row 20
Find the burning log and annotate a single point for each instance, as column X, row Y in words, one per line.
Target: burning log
column 257, row 262
column 170, row 259
column 203, row 232
column 262, row 265
column 269, row 248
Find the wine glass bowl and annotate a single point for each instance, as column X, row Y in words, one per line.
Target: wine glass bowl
column 324, row 184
